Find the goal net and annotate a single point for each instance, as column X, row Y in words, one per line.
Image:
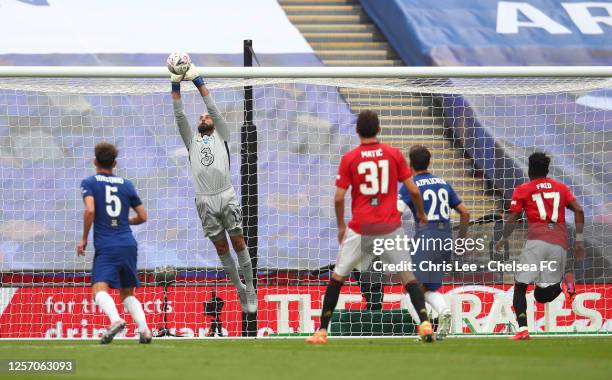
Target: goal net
column 480, row 132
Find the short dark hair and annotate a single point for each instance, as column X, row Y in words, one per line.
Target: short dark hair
column 419, row 157
column 367, row 124
column 106, row 153
column 538, row 165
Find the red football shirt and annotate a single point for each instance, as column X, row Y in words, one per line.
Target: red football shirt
column 373, row 171
column 544, row 201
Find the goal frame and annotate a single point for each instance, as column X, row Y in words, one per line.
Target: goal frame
column 310, row 72
column 159, row 72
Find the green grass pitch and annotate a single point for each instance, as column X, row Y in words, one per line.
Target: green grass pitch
column 373, row 359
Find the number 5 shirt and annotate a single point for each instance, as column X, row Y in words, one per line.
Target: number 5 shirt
column 113, row 198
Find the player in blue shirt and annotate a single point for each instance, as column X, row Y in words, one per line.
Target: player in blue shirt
column 436, row 240
column 108, row 200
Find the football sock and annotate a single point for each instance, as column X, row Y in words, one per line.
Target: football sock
column 437, row 302
column 229, row 266
column 418, row 300
column 547, row 294
column 107, row 305
column 519, row 302
column 244, row 260
column 134, row 307
column 332, row 293
column 413, row 313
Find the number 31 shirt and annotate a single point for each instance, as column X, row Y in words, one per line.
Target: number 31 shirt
column 544, row 201
column 373, row 170
column 113, row 198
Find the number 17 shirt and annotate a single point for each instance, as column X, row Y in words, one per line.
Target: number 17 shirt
column 544, row 201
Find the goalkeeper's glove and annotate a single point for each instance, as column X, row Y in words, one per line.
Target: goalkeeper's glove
column 193, row 75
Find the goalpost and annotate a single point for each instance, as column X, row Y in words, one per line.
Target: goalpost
column 480, row 124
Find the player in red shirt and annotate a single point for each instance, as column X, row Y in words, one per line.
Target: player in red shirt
column 544, row 201
column 372, row 170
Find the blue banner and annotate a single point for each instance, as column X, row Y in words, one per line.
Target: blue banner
column 493, row 33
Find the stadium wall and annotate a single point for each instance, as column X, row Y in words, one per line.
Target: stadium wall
column 287, row 310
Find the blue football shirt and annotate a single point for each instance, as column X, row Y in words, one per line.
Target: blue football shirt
column 113, row 198
column 438, row 198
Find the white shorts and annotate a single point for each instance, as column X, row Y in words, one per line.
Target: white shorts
column 220, row 212
column 539, row 254
column 356, row 252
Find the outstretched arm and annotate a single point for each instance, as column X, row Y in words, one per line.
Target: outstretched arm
column 193, row 75
column 179, row 114
column 219, row 120
column 220, row 124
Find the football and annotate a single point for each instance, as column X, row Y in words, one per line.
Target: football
column 178, row 63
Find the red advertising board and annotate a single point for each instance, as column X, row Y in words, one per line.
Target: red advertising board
column 68, row 312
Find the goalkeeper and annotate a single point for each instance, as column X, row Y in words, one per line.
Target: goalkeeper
column 216, row 201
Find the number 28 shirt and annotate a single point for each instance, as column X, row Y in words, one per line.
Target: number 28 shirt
column 373, row 171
